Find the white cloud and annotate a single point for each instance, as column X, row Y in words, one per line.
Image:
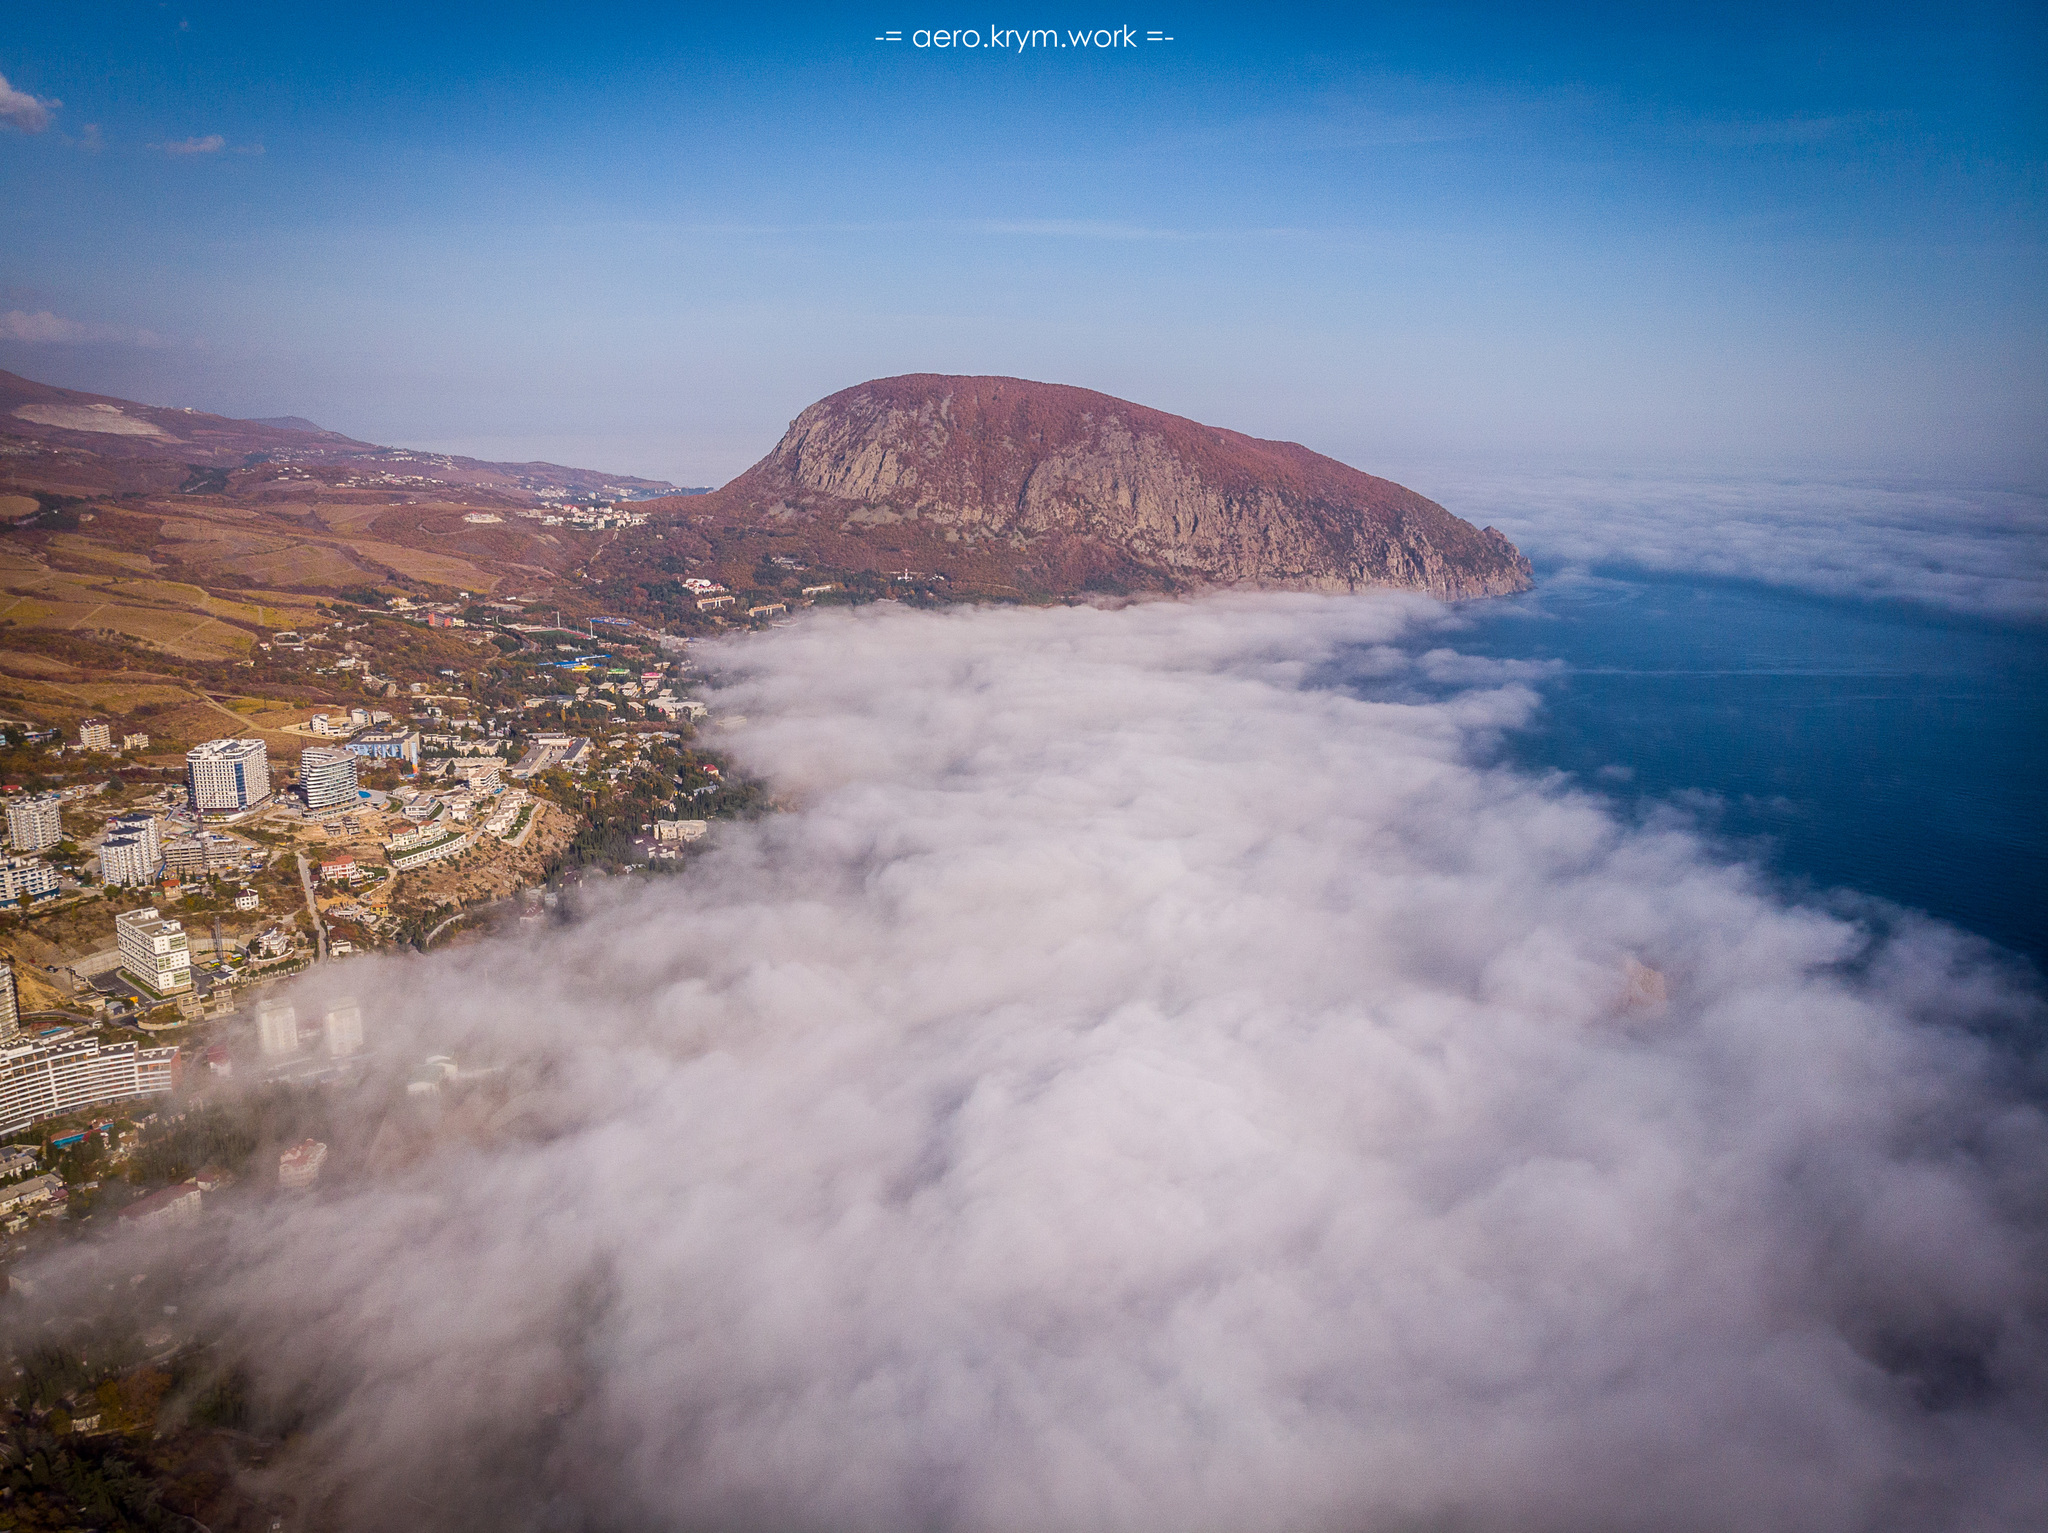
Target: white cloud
column 42, row 328
column 212, row 143
column 1978, row 548
column 1140, row 1086
column 23, row 112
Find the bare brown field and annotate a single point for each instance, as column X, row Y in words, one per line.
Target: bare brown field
column 417, row 564
column 35, row 665
column 85, row 548
column 307, row 564
column 221, row 542
column 119, row 697
column 12, row 506
column 345, row 517
column 282, row 614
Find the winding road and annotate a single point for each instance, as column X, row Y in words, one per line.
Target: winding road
column 312, row 909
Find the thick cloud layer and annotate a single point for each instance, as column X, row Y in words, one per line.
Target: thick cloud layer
column 1139, row 1087
column 1980, row 549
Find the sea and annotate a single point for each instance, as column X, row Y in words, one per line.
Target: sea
column 1838, row 744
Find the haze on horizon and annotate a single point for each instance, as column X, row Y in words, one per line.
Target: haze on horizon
column 642, row 242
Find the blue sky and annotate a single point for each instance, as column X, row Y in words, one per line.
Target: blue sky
column 642, row 239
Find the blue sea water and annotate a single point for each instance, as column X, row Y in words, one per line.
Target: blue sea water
column 1840, row 744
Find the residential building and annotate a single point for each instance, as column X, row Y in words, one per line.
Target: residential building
column 125, row 860
column 300, row 1165
column 481, row 773
column 37, row 1189
column 327, row 776
column 133, row 850
column 34, row 821
column 227, row 775
column 388, row 743
column 23, row 879
column 247, row 899
column 429, row 843
column 154, row 951
column 201, row 853
column 339, row 870
column 10, row 1009
column 15, row 1159
column 553, row 750
column 681, row 830
column 135, row 742
column 342, row 1029
column 139, row 823
column 95, row 735
column 277, row 1029
column 47, row 1080
column 173, row 1205
column 713, row 603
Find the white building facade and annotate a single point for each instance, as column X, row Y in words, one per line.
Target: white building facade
column 342, row 1031
column 154, row 951
column 40, row 1081
column 277, row 1029
column 327, row 776
column 133, row 852
column 228, row 774
column 25, row 878
column 35, row 821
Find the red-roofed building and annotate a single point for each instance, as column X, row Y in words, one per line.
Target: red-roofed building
column 173, row 1205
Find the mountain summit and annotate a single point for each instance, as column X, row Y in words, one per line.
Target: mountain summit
column 1064, row 488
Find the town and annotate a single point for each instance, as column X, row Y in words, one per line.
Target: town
column 453, row 769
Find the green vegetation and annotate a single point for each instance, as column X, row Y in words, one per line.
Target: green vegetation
column 228, row 1135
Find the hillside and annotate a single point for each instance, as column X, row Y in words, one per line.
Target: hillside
column 1045, row 489
column 89, row 444
column 148, row 555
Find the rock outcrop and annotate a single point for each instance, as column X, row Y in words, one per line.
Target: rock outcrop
column 1074, row 489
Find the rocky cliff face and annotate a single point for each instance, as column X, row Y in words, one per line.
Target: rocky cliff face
column 1073, row 488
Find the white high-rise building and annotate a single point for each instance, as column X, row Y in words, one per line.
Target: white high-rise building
column 133, row 851
column 25, row 878
column 35, row 821
column 47, row 1080
column 228, row 774
column 343, row 1029
column 10, row 1005
column 125, row 861
column 153, row 951
column 95, row 735
column 277, row 1029
column 327, row 776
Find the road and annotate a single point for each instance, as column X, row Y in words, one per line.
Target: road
column 312, row 909
column 461, row 915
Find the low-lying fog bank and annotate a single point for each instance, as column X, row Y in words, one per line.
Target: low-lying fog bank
column 1138, row 1088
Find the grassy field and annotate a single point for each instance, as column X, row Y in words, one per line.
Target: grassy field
column 303, row 564
column 435, row 569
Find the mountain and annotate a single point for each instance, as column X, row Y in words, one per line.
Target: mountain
column 1038, row 487
column 90, row 444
